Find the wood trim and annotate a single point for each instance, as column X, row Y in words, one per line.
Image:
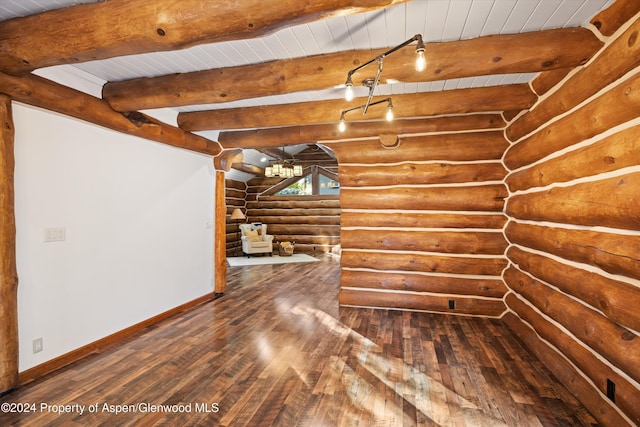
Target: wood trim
column 220, row 236
column 8, row 268
column 102, row 344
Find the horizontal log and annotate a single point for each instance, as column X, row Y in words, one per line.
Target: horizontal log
column 232, row 229
column 226, row 158
column 464, row 242
column 324, row 199
column 613, row 342
column 234, row 203
column 308, row 134
column 620, row 57
column 423, row 104
column 412, row 173
column 484, row 266
column 421, row 219
column 304, row 229
column 493, row 288
column 614, row 152
column 43, row 93
column 627, row 396
column 579, row 386
column 611, row 202
column 544, row 81
column 309, row 241
column 235, row 194
column 451, row 147
column 259, row 185
column 619, row 301
column 488, row 55
column 302, row 203
column 618, row 105
column 233, row 185
column 283, row 213
column 309, row 219
column 313, row 248
column 247, row 168
column 475, row 198
column 614, row 253
column 610, row 19
column 409, row 301
column 126, row 27
column 231, row 241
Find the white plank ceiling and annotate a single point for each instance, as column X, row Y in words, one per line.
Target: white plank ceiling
column 436, row 20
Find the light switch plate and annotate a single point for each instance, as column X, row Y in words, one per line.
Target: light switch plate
column 55, row 234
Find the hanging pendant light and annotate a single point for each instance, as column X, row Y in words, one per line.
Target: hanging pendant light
column 283, row 168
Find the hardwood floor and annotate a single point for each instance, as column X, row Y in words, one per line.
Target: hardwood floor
column 277, row 350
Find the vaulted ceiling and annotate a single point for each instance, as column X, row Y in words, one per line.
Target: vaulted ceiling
column 267, row 73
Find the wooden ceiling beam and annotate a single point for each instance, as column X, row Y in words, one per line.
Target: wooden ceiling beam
column 126, row 27
column 294, row 135
column 33, row 90
column 248, row 168
column 458, row 101
column 276, row 153
column 224, row 160
column 488, row 55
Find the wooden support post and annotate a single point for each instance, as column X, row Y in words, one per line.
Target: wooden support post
column 220, row 243
column 8, row 269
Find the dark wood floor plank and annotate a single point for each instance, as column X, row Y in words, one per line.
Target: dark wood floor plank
column 276, row 350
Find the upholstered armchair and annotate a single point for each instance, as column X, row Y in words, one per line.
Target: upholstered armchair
column 255, row 239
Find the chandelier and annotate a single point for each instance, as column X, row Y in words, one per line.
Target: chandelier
column 283, row 168
column 373, row 83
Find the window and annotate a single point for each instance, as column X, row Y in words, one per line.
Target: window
column 328, row 186
column 302, row 187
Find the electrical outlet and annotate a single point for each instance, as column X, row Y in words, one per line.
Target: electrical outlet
column 611, row 390
column 37, row 345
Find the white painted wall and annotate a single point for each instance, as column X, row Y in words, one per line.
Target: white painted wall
column 139, row 239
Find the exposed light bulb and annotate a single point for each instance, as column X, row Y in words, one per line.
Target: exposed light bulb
column 342, row 126
column 389, row 115
column 348, row 95
column 421, row 62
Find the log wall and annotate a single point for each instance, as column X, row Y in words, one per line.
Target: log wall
column 235, row 197
column 312, row 222
column 574, row 229
column 421, row 225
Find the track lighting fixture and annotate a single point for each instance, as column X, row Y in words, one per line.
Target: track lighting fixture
column 372, row 83
column 342, row 126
